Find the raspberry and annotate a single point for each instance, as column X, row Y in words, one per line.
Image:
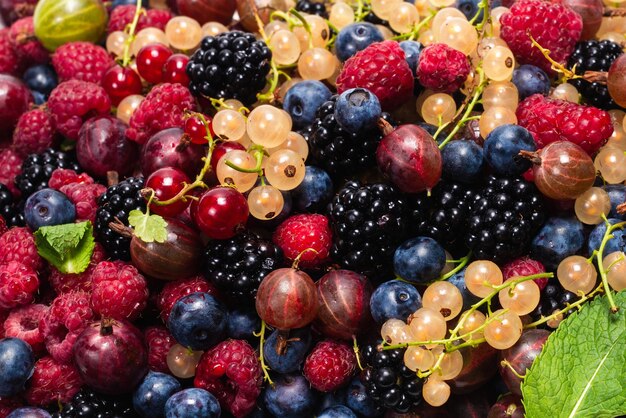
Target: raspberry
column 524, row 266
column 85, row 199
column 119, row 290
column 382, row 69
column 330, row 365
column 64, row 176
column 231, row 371
column 3, row 316
column 23, row 323
column 3, row 226
column 173, row 291
column 7, row 405
column 25, row 44
column 159, row 342
column 65, row 283
column 9, row 62
column 122, row 16
column 18, row 244
column 82, row 61
column 34, row 132
column 299, row 233
column 11, row 164
column 442, row 68
column 162, row 108
column 67, row 318
column 551, row 120
column 73, row 101
column 52, row 382
column 554, row 26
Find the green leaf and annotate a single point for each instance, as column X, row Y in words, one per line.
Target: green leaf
column 148, row 228
column 67, row 247
column 581, row 371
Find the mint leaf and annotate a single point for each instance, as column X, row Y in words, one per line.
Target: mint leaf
column 67, row 247
column 582, row 368
column 148, row 228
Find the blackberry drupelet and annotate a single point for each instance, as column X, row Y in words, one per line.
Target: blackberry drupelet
column 506, row 215
column 312, row 7
column 231, row 65
column 237, row 266
column 37, row 170
column 389, row 381
column 117, row 202
column 11, row 211
column 594, row 56
column 337, row 151
column 369, row 222
column 553, row 298
column 87, row 404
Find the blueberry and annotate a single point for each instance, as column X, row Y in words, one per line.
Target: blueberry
column 356, row 37
column 29, row 412
column 48, row 207
column 431, row 129
column 151, row 395
column 39, row 98
column 331, row 399
column 557, row 239
column 338, row 411
column 617, row 243
column 462, row 161
column 419, row 260
column 357, row 110
column 303, row 99
column 530, row 80
column 359, row 401
column 293, row 356
column 17, row 363
column 412, row 51
column 291, row 396
column 41, row 79
column 198, row 321
column 617, row 195
column 469, row 8
column 502, row 147
column 192, row 403
column 315, row 191
column 468, row 297
column 394, row 299
column 242, row 324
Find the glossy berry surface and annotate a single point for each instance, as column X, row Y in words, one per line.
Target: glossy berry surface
column 167, row 183
column 197, row 321
column 153, row 392
column 17, row 361
column 192, row 402
column 48, row 207
column 150, row 62
column 303, row 99
column 356, row 37
column 221, row 212
column 120, row 82
column 394, row 299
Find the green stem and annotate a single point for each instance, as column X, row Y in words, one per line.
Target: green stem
column 415, row 31
column 131, row 34
column 600, row 255
column 264, row 367
column 357, row 352
column 258, row 155
column 462, row 263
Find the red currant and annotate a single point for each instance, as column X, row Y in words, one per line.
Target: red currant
column 166, row 183
column 221, row 212
column 120, row 82
column 196, row 131
column 175, row 69
column 221, row 149
column 150, row 62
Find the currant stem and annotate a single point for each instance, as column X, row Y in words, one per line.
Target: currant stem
column 505, row 363
column 600, row 255
column 415, row 31
column 462, row 263
column 264, row 367
column 357, row 352
column 258, row 156
column 131, row 34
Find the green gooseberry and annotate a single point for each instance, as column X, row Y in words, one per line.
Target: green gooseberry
column 61, row 21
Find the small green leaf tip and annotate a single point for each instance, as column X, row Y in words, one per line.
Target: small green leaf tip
column 67, row 247
column 148, row 228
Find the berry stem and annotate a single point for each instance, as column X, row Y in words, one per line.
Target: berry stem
column 296, row 260
column 357, row 352
column 557, row 67
column 416, row 29
column 258, row 156
column 461, row 263
column 131, row 34
column 507, row 364
column 533, row 156
column 264, row 367
column 608, row 235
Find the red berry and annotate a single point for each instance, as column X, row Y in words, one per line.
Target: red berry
column 195, row 129
column 85, row 199
column 221, row 212
column 122, row 16
column 524, row 266
column 34, row 132
column 66, row 282
column 8, row 405
column 299, row 233
column 26, row 45
column 168, row 182
column 81, row 61
column 159, row 342
column 150, row 60
column 231, row 371
column 173, row 291
column 120, row 82
column 11, row 164
column 9, row 61
column 63, row 176
column 119, row 290
column 221, row 149
column 23, row 323
column 175, row 69
column 330, row 365
column 18, row 284
column 18, row 244
column 442, row 68
column 53, row 383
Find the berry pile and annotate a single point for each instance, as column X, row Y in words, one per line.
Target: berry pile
column 304, row 209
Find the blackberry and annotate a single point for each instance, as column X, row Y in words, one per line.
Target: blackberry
column 504, row 218
column 87, row 404
column 312, row 7
column 37, row 170
column 389, row 381
column 594, row 56
column 117, row 202
column 11, row 211
column 231, row 65
column 369, row 222
column 553, row 298
column 336, row 150
column 238, row 265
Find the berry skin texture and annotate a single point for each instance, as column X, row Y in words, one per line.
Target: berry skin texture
column 85, row 199
column 18, row 244
column 64, row 176
column 330, row 365
column 550, row 120
column 9, row 62
column 382, row 69
column 52, row 382
column 524, row 266
column 554, row 26
column 34, row 132
column 74, row 101
column 123, row 15
column 175, row 290
column 162, row 108
column 27, row 47
column 65, row 283
column 11, row 164
column 159, row 342
column 301, row 232
column 119, row 290
column 442, row 68
column 23, row 323
column 232, row 372
column 82, row 61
